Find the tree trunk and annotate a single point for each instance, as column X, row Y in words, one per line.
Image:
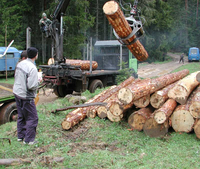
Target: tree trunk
column 160, row 97
column 92, row 111
column 153, row 129
column 163, row 113
column 148, row 86
column 182, row 120
column 116, row 18
column 194, row 108
column 142, row 102
column 138, row 118
column 181, row 91
column 197, row 129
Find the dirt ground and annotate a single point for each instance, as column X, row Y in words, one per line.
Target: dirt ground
column 145, row 71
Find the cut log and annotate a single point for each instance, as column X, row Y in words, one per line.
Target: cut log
column 142, row 102
column 92, row 111
column 138, row 118
column 197, row 129
column 116, row 18
column 114, row 118
column 153, row 129
column 163, row 113
column 161, row 96
column 194, row 107
column 182, row 120
column 83, row 64
column 102, row 112
column 198, row 77
column 181, row 91
column 148, row 86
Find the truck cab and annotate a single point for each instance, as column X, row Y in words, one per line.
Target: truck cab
column 9, row 61
column 193, row 54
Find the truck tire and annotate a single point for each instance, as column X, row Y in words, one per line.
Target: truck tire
column 95, row 85
column 62, row 91
column 8, row 112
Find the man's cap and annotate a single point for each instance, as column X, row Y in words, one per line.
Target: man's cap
column 32, row 52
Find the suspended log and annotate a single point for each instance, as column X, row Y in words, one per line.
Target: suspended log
column 194, row 107
column 148, row 86
column 161, row 96
column 153, row 129
column 182, row 120
column 83, row 64
column 197, row 129
column 181, row 91
column 138, row 118
column 142, row 102
column 116, row 18
column 163, row 113
column 92, row 111
column 79, row 114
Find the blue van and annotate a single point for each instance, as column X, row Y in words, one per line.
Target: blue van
column 11, row 58
column 193, row 54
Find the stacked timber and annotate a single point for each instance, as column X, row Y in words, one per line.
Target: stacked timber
column 125, row 99
column 122, row 28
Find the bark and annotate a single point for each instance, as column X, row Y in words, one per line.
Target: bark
column 181, row 91
column 148, row 86
column 194, row 107
column 138, row 118
column 182, row 120
column 153, row 129
column 163, row 113
column 116, row 18
column 161, row 96
column 92, row 111
column 142, row 102
column 14, row 162
column 197, row 129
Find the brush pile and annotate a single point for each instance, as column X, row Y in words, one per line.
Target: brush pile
column 151, row 105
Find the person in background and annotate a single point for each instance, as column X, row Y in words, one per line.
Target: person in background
column 44, row 24
column 23, row 55
column 181, row 58
column 25, row 90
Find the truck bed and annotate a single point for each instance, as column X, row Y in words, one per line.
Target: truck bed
column 6, row 95
column 101, row 72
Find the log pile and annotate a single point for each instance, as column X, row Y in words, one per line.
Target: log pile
column 148, row 104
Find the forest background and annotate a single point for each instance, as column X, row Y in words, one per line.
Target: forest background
column 169, row 25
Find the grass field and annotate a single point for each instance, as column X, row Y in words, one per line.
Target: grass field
column 97, row 143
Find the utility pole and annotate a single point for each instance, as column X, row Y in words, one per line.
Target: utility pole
column 197, row 13
column 6, row 55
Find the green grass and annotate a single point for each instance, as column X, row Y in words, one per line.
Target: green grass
column 9, row 80
column 97, row 143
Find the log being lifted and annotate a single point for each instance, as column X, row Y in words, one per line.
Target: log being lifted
column 160, row 97
column 163, row 113
column 195, row 103
column 138, row 118
column 92, row 111
column 181, row 91
column 84, row 64
column 153, row 129
column 116, row 18
column 148, row 86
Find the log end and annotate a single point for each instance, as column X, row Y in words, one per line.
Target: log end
column 197, row 129
column 102, row 112
column 160, row 117
column 136, row 121
column 66, row 125
column 91, row 113
column 110, row 7
column 125, row 96
column 116, row 109
column 182, row 121
column 195, row 109
column 142, row 102
column 157, row 101
column 113, row 118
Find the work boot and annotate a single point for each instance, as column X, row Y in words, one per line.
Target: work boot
column 31, row 143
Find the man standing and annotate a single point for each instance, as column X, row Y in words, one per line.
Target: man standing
column 181, row 58
column 44, row 24
column 24, row 89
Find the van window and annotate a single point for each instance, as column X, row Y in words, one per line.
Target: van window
column 194, row 51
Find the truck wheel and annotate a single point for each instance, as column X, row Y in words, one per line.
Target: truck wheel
column 95, row 85
column 8, row 113
column 62, row 91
